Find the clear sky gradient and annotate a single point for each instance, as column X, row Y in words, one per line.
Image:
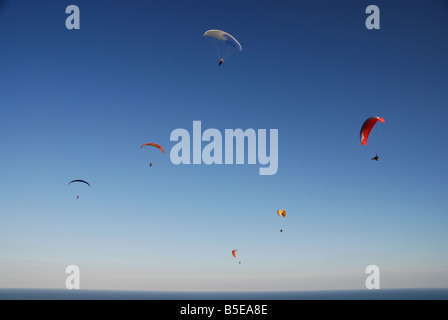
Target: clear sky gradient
column 78, row 104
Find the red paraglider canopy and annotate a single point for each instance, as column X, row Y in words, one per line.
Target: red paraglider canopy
column 153, row 145
column 367, row 127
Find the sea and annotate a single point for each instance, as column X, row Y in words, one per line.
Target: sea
column 380, row 294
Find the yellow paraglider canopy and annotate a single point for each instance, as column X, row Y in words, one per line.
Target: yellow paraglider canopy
column 282, row 213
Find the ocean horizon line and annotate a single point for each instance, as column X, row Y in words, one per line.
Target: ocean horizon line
column 335, row 294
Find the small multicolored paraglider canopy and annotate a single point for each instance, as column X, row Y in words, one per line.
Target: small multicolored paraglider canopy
column 367, row 127
column 153, row 145
column 281, row 213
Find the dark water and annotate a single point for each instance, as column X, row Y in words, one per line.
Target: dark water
column 381, row 294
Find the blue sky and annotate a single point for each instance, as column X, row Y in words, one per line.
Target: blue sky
column 78, row 104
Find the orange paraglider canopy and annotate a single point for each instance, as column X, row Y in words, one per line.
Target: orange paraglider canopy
column 234, row 252
column 281, row 213
column 153, row 145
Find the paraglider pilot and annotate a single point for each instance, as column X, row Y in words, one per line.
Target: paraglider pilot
column 376, row 158
column 221, row 61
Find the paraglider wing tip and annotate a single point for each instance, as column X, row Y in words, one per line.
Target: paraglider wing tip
column 381, row 119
